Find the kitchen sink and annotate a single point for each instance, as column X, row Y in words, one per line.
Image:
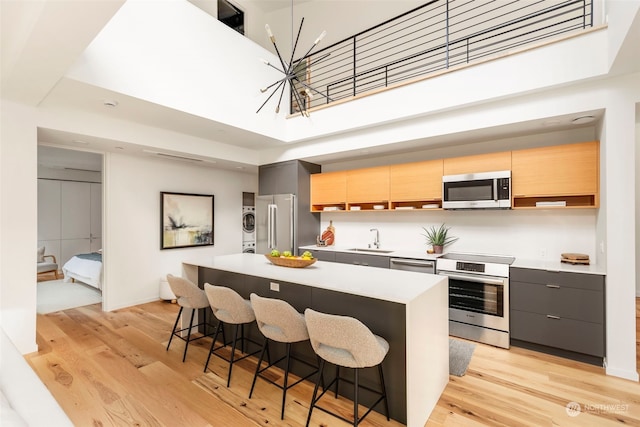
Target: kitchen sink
column 372, row 250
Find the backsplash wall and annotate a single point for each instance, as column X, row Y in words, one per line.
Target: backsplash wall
column 525, row 234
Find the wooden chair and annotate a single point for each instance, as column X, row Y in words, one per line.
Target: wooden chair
column 47, row 267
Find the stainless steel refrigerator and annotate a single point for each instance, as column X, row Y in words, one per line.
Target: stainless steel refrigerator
column 275, row 223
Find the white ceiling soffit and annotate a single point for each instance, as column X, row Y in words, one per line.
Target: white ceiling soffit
column 57, row 158
column 74, row 95
column 60, row 142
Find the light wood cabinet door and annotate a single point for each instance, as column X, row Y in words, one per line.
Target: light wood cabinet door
column 478, row 163
column 562, row 170
column 328, row 188
column 368, row 185
column 416, row 181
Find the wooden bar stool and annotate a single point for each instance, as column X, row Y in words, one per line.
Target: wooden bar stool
column 230, row 308
column 347, row 342
column 191, row 297
column 279, row 321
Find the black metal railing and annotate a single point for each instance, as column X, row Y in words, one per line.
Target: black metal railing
column 435, row 36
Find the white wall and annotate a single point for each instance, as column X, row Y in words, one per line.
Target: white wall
column 134, row 263
column 524, row 234
column 18, row 219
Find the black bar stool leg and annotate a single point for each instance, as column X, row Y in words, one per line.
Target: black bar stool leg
column 286, row 379
column 233, row 353
column 175, row 325
column 186, row 346
column 384, row 392
column 315, row 393
column 337, row 379
column 255, row 377
column 355, row 397
column 213, row 344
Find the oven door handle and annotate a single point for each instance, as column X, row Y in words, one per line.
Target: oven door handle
column 475, row 279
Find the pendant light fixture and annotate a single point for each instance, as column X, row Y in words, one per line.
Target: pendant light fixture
column 291, row 72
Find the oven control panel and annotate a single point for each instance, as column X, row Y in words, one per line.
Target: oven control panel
column 470, row 266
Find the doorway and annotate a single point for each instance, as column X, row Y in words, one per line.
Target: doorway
column 70, row 227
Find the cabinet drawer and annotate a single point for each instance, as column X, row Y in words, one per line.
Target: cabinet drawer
column 361, row 259
column 566, row 334
column 562, row 301
column 593, row 282
column 321, row 255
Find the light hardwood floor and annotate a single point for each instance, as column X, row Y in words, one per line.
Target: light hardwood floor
column 111, row 369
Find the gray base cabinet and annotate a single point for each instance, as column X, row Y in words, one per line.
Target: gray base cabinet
column 559, row 310
column 363, row 259
column 351, row 258
column 321, row 255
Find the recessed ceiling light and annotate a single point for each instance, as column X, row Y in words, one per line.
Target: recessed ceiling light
column 110, row 103
column 582, row 119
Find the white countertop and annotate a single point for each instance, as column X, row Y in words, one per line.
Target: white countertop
column 547, row 265
column 379, row 283
column 558, row 266
column 393, row 254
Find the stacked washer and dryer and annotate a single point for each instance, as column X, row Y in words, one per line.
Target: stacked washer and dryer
column 248, row 223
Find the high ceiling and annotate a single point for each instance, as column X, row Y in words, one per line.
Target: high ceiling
column 32, row 64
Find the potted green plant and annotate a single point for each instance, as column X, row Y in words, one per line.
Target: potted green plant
column 438, row 237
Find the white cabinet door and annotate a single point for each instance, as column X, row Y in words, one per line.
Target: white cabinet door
column 76, row 210
column 69, row 218
column 96, row 217
column 48, row 209
column 71, row 247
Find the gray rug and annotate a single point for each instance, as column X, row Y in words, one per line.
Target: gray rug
column 460, row 353
column 56, row 295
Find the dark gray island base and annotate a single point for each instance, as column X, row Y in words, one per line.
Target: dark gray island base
column 412, row 317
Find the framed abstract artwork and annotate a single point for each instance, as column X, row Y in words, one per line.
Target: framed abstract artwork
column 186, row 220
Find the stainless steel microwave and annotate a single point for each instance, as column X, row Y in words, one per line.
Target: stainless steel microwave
column 485, row 190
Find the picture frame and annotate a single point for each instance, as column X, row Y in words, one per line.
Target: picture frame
column 186, row 220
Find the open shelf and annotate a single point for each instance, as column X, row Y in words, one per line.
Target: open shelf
column 582, row 201
column 416, row 205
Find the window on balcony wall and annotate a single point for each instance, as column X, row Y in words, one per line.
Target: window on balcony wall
column 231, row 16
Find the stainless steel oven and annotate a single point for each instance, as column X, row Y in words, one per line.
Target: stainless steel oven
column 478, row 296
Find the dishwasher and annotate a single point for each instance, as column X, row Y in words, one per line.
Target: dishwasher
column 419, row 265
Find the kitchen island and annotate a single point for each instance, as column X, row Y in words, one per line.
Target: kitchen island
column 410, row 310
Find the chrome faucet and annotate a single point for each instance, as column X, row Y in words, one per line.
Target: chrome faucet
column 376, row 241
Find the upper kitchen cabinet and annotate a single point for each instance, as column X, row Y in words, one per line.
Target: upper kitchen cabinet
column 328, row 190
column 368, row 188
column 562, row 175
column 414, row 185
column 478, row 163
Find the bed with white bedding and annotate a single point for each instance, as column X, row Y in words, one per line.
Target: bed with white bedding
column 85, row 268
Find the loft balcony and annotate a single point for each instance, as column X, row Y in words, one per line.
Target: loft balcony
column 438, row 36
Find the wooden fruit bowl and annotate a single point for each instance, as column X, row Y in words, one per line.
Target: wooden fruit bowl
column 290, row 261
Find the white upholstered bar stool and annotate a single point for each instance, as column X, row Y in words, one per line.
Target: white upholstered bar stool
column 347, row 342
column 230, row 308
column 279, row 321
column 191, row 297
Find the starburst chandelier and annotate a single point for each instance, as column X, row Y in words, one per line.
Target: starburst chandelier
column 294, row 72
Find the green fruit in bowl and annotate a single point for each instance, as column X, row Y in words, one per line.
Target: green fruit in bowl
column 275, row 252
column 287, row 254
column 307, row 254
